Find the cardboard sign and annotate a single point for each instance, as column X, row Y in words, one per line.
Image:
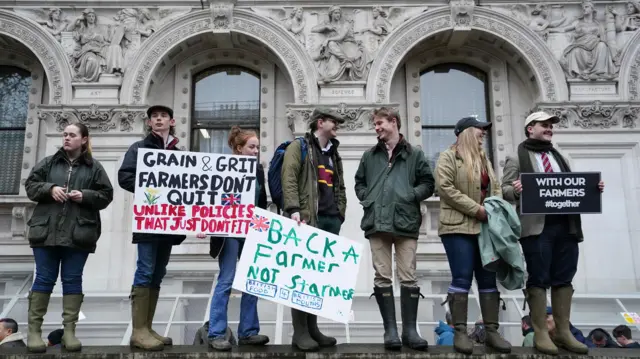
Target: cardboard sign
column 560, row 193
column 180, row 192
column 299, row 266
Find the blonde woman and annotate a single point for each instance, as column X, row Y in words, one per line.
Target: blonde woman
column 464, row 178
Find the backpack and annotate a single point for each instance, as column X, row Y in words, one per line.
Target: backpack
column 275, row 171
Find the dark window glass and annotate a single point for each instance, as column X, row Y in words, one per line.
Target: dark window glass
column 448, row 93
column 224, row 96
column 14, row 102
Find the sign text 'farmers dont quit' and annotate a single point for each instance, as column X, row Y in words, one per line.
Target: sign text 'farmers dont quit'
column 181, row 192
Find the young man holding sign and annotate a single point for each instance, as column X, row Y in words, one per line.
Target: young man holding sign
column 393, row 179
column 154, row 250
column 549, row 242
column 314, row 193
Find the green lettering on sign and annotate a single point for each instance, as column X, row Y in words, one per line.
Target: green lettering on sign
column 327, row 247
column 351, row 253
column 292, row 235
column 309, row 240
column 259, row 254
column 273, row 231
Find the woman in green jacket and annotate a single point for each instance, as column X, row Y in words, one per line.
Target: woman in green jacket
column 70, row 188
column 464, row 178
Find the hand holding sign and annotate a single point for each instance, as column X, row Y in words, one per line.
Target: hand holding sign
column 601, row 186
column 517, row 186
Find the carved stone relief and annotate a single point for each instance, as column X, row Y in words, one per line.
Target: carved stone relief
column 380, row 23
column 462, row 14
column 539, row 17
column 595, row 115
column 294, row 20
column 98, row 43
column 94, row 118
column 221, row 15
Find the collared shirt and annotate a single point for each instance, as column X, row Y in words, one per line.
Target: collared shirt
column 554, row 164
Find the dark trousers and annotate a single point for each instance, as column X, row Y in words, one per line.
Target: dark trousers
column 463, row 253
column 153, row 258
column 331, row 224
column 551, row 256
column 51, row 261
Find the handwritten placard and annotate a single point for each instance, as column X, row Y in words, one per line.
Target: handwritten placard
column 180, row 192
column 299, row 266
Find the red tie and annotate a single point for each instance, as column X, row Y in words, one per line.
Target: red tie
column 546, row 163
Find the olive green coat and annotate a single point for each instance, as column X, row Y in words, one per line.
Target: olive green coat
column 300, row 181
column 460, row 198
column 68, row 224
column 391, row 191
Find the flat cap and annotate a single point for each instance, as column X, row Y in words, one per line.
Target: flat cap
column 324, row 112
column 160, row 108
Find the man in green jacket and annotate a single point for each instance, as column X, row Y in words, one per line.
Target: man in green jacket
column 314, row 193
column 392, row 180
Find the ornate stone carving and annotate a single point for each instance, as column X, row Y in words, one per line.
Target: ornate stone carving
column 294, row 20
column 19, row 212
column 593, row 115
column 300, row 68
column 93, row 118
column 592, row 55
column 340, row 56
column 297, row 115
column 462, row 14
column 383, row 22
column 538, row 18
column 53, row 20
column 596, row 115
column 629, row 20
column 49, row 56
column 221, row 15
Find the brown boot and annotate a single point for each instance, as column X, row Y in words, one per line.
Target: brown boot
column 141, row 337
column 154, row 295
column 490, row 307
column 38, row 303
column 537, row 299
column 71, row 304
column 561, row 306
column 458, row 306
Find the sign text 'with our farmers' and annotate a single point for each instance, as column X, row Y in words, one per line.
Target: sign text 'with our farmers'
column 299, row 266
column 180, row 192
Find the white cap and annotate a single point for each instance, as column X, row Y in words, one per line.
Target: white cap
column 540, row 116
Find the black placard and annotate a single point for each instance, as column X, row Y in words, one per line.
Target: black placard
column 560, row 193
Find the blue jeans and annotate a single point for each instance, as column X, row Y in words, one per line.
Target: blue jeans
column 463, row 253
column 153, row 258
column 551, row 256
column 249, row 323
column 49, row 260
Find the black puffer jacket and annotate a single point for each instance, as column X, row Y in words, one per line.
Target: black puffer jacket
column 68, row 224
column 127, row 180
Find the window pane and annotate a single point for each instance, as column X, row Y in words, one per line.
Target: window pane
column 14, row 99
column 451, row 92
column 436, row 140
column 224, row 97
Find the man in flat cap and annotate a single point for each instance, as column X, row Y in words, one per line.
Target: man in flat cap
column 154, row 250
column 549, row 242
column 392, row 180
column 314, row 193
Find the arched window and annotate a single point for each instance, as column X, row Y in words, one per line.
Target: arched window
column 224, row 96
column 448, row 93
column 14, row 101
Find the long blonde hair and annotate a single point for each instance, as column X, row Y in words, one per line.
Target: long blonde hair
column 470, row 150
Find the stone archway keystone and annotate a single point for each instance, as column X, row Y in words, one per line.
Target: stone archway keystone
column 299, row 66
column 549, row 75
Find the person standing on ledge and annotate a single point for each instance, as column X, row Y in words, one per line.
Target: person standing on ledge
column 154, row 250
column 549, row 242
column 314, row 193
column 392, row 180
column 70, row 188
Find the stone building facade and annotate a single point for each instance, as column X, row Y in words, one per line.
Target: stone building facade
column 265, row 64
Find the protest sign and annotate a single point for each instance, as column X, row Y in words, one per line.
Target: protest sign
column 180, row 192
column 560, row 193
column 631, row 317
column 299, row 266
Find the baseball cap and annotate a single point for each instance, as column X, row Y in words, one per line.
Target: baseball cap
column 162, row 108
column 540, row 116
column 467, row 122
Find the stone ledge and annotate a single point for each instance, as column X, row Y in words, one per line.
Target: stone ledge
column 342, row 351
